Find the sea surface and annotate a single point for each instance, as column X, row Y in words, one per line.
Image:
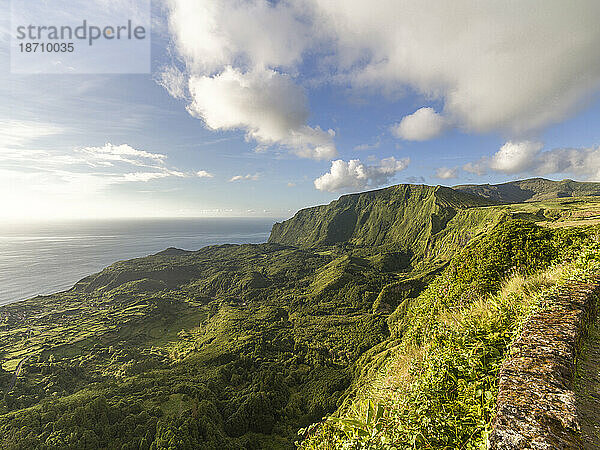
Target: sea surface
column 44, row 258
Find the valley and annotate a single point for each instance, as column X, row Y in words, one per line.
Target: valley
column 401, row 301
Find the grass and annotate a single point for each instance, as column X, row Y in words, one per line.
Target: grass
column 239, row 346
column 438, row 389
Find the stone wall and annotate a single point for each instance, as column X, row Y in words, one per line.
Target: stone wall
column 536, row 403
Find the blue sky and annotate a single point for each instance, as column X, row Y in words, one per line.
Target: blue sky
column 261, row 108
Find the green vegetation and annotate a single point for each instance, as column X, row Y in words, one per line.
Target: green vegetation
column 532, row 190
column 243, row 344
column 435, row 378
column 388, row 311
column 400, row 217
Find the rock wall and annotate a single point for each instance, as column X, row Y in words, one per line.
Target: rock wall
column 536, row 403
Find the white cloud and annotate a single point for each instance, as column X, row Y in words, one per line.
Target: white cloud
column 248, row 177
column 204, row 174
column 235, row 53
column 344, row 176
column 174, row 81
column 17, row 133
column 421, row 125
column 528, row 157
column 494, row 66
column 113, row 164
column 212, row 34
column 372, row 146
column 39, row 180
column 265, row 103
column 516, row 157
column 74, row 173
column 123, row 152
column 446, row 173
column 142, row 176
column 478, row 167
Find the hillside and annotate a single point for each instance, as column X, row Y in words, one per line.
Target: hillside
column 227, row 347
column 240, row 346
column 402, row 217
column 434, row 382
column 532, row 190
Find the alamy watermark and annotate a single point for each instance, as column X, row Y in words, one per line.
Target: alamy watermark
column 80, row 36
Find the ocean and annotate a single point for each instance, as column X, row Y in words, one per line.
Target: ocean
column 43, row 258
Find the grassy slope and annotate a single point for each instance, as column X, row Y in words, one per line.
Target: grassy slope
column 435, row 378
column 532, row 190
column 233, row 346
column 232, row 343
column 401, row 217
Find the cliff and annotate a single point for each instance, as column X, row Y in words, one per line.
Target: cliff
column 531, row 190
column 407, row 297
column 402, row 216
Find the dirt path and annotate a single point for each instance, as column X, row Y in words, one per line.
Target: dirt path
column 17, row 373
column 587, row 389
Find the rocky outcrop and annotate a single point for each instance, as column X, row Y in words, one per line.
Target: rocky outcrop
column 536, row 402
column 587, row 388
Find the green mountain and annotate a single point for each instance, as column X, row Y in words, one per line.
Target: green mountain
column 240, row 346
column 398, row 216
column 532, row 190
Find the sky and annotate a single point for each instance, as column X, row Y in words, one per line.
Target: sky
column 260, row 108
